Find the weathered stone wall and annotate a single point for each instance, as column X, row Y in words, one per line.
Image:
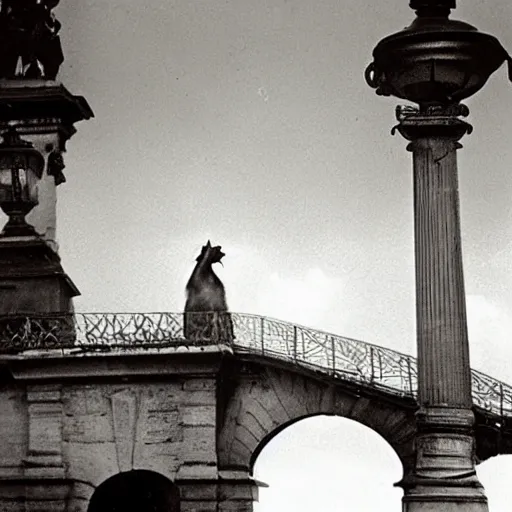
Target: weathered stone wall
column 166, row 427
column 74, row 422
column 37, row 294
column 13, row 431
column 70, row 421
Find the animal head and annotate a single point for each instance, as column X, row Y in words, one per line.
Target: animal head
column 211, row 254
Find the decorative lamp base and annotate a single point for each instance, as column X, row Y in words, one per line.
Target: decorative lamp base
column 17, row 225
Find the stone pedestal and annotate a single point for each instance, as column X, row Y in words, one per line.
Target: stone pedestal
column 32, row 280
column 444, row 477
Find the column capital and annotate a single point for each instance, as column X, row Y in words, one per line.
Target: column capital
column 433, row 122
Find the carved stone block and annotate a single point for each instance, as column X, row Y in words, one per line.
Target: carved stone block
column 44, row 454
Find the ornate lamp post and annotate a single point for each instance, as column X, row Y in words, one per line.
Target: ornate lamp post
column 437, row 62
column 21, row 166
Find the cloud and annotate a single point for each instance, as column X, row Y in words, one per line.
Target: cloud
column 306, row 300
column 494, row 474
column 490, row 331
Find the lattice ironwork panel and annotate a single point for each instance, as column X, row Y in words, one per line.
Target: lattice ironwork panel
column 18, row 333
column 491, row 394
column 128, row 329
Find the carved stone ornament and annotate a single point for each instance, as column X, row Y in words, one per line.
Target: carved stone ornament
column 29, row 39
column 55, row 167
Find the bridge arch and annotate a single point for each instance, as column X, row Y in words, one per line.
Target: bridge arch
column 322, row 462
column 266, row 396
column 138, row 490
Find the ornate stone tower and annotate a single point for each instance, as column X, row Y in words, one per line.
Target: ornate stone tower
column 37, row 114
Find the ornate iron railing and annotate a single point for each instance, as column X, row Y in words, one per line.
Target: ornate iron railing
column 343, row 358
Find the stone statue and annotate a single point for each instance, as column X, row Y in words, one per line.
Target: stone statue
column 29, row 39
column 56, row 166
column 207, row 319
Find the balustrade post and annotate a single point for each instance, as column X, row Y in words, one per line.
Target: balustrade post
column 295, row 343
column 409, row 372
column 501, row 400
column 262, row 334
column 333, row 349
column 372, row 376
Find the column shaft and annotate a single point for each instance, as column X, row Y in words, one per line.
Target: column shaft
column 444, row 477
column 442, row 340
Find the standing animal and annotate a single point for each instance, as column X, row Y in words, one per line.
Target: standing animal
column 206, row 318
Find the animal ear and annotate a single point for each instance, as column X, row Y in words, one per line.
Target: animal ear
column 208, row 244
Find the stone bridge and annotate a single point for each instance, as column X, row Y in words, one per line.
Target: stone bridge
column 94, row 405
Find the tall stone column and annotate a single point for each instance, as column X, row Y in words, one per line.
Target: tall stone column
column 444, row 478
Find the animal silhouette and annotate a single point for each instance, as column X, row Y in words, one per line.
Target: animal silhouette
column 206, row 318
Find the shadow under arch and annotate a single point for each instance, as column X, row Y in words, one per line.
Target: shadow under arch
column 138, row 490
column 326, row 461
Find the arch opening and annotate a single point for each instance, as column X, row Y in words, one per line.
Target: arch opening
column 138, row 490
column 328, row 463
column 494, row 474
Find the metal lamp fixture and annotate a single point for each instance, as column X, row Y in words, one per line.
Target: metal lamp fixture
column 434, row 61
column 21, row 167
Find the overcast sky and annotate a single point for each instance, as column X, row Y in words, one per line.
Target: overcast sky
column 250, row 123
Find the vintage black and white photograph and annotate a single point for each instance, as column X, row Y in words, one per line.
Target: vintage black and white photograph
column 255, row 256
